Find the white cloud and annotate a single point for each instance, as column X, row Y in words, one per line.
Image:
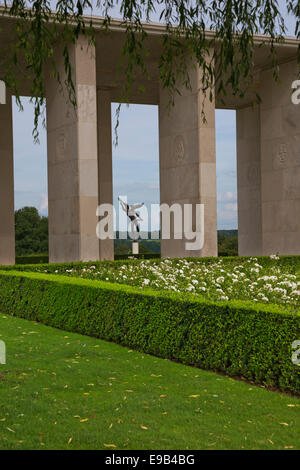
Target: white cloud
column 44, row 203
column 230, row 196
column 231, row 207
column 227, row 216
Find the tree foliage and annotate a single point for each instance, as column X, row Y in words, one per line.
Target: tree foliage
column 227, row 246
column 188, row 27
column 31, row 231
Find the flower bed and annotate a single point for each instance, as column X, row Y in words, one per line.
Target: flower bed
column 265, row 280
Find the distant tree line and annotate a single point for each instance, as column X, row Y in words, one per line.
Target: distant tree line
column 124, row 247
column 227, row 243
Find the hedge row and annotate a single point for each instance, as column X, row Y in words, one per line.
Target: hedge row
column 44, row 258
column 139, row 256
column 32, row 259
column 239, row 338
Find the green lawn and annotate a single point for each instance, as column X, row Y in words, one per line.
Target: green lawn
column 62, row 390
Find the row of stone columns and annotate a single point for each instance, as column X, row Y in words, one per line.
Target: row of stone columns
column 80, row 162
column 80, row 166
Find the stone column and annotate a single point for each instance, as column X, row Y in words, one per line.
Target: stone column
column 280, row 163
column 188, row 162
column 105, row 176
column 72, row 161
column 7, row 218
column 249, row 181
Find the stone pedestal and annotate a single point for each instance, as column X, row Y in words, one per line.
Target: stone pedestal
column 2, row 92
column 7, row 218
column 135, row 248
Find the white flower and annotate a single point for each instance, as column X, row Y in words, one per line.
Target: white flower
column 224, row 297
column 295, row 292
column 254, row 270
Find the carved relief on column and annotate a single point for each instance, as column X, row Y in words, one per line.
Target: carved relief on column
column 253, row 174
column 280, row 155
column 61, row 144
column 179, row 149
column 87, row 109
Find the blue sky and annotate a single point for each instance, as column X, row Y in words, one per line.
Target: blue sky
column 135, row 160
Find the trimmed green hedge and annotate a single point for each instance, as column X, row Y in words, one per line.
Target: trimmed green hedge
column 139, row 256
column 44, row 258
column 239, row 338
column 32, row 259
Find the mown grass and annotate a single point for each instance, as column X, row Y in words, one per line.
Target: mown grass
column 62, row 390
